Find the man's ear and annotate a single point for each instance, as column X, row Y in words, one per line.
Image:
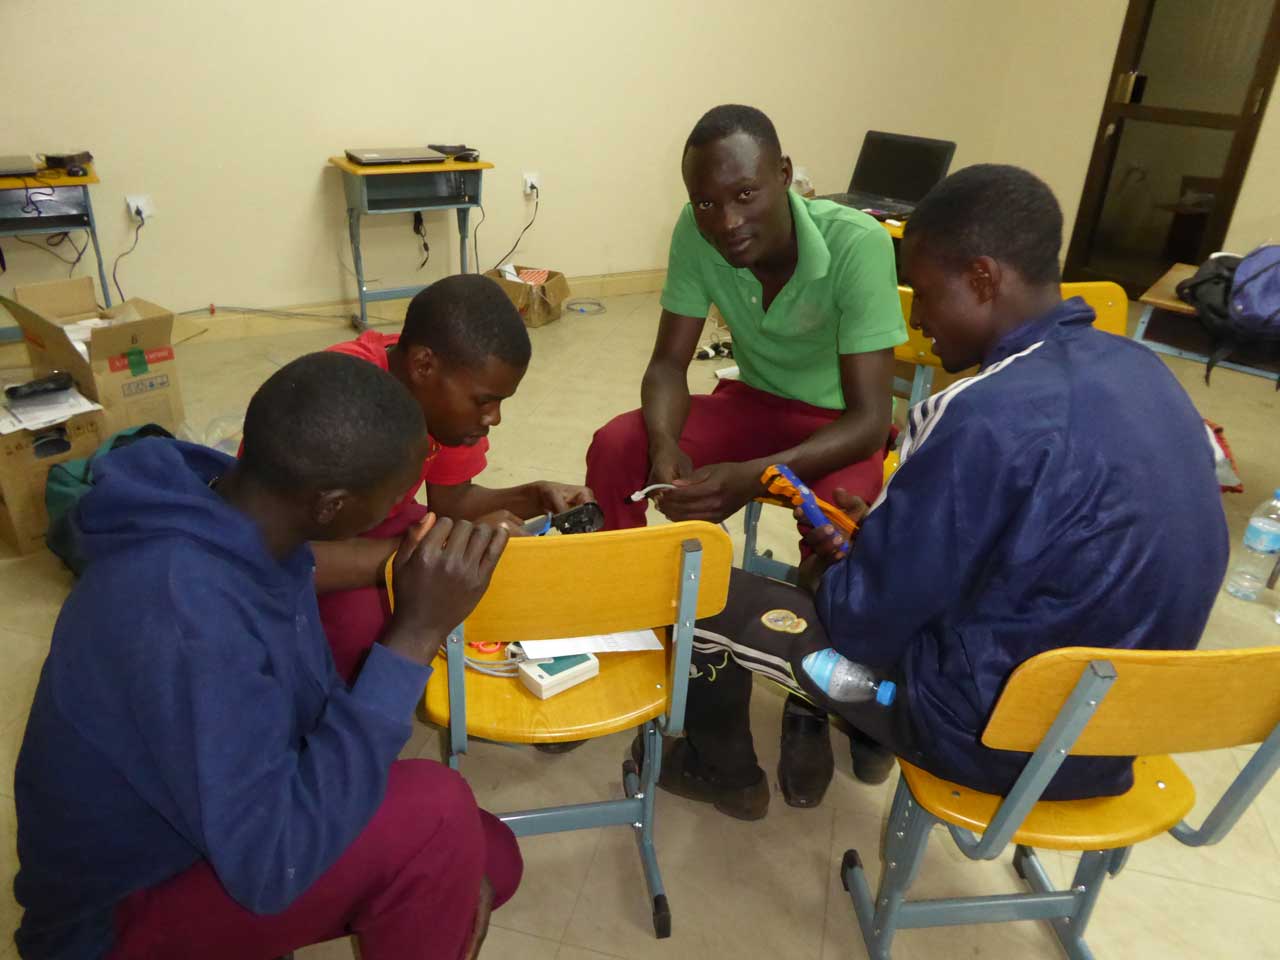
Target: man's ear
column 985, row 277
column 787, row 172
column 328, row 505
column 423, row 363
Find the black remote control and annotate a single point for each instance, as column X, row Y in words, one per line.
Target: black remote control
column 55, row 382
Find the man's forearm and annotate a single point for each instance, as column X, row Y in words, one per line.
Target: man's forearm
column 351, row 564
column 664, row 404
column 855, row 436
column 470, row 501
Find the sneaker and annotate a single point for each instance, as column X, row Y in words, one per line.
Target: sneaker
column 682, row 775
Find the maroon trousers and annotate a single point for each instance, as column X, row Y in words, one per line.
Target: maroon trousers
column 408, row 887
column 734, row 423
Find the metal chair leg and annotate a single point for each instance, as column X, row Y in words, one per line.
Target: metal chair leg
column 642, row 784
column 908, row 828
column 1086, row 885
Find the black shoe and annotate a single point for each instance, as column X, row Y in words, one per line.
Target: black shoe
column 563, row 746
column 872, row 763
column 806, row 765
column 682, row 776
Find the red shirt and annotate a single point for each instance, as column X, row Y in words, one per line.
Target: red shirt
column 444, row 466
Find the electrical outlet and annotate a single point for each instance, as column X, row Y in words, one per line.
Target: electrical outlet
column 532, row 184
column 140, row 201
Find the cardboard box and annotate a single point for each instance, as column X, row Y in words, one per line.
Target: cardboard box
column 540, row 303
column 25, row 459
column 128, row 366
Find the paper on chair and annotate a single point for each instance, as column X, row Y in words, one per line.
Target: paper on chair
column 601, row 643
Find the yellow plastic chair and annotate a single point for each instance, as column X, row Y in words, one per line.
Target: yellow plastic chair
column 1109, row 302
column 545, row 588
column 1082, row 701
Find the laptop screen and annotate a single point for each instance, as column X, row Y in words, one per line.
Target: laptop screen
column 900, row 167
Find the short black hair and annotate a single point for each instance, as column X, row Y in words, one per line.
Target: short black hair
column 467, row 318
column 328, row 421
column 728, row 118
column 992, row 210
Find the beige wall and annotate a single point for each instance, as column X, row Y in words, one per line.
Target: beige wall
column 225, row 112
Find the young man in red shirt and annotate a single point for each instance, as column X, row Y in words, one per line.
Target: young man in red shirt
column 462, row 352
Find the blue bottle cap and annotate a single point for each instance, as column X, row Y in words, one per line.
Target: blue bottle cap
column 885, row 692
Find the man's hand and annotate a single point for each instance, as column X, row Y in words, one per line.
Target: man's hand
column 505, row 519
column 668, row 463
column 825, row 541
column 441, row 572
column 712, row 492
column 559, row 497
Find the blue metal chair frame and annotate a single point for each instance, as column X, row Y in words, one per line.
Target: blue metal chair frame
column 1069, row 911
column 636, row 809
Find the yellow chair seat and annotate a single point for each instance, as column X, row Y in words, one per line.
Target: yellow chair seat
column 1161, row 796
column 631, row 689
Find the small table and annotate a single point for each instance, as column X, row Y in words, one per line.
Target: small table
column 69, row 208
column 405, row 188
column 1168, row 325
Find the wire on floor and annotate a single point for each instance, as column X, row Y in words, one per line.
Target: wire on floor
column 589, row 306
column 137, row 232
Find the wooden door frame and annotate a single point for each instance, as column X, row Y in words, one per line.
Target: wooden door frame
column 1115, row 112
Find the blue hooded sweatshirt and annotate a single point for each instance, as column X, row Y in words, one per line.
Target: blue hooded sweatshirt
column 189, row 710
column 1063, row 496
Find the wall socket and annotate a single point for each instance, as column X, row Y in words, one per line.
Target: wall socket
column 140, row 201
column 532, row 183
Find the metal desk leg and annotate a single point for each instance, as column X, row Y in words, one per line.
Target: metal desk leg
column 97, row 250
column 353, row 228
column 464, row 219
column 1140, row 332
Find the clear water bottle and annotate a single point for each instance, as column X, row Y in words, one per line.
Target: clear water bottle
column 1261, row 548
column 845, row 681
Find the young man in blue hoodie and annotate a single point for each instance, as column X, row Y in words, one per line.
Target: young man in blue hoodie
column 1064, row 495
column 196, row 780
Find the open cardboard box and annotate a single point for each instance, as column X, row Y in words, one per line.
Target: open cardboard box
column 538, row 303
column 25, row 459
column 128, row 365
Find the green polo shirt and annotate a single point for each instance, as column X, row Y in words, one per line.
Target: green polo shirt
column 843, row 298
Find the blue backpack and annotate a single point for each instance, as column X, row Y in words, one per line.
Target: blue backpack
column 1237, row 300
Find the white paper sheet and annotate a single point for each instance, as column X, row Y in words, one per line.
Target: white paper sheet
column 604, row 643
column 43, row 411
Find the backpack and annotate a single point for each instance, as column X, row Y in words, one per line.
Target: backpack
column 72, row 479
column 1237, row 300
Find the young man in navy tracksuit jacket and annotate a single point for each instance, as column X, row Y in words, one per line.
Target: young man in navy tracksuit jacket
column 1065, row 495
column 196, row 780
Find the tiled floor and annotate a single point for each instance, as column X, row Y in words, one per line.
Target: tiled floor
column 767, row 889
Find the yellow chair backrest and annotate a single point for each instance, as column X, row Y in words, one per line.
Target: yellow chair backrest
column 572, row 586
column 1161, row 702
column 1108, row 300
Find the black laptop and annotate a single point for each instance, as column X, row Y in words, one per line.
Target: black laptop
column 894, row 172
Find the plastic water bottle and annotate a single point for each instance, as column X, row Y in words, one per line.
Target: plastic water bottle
column 1261, row 548
column 845, row 681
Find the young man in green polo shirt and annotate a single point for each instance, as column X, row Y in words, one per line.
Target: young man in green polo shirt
column 809, row 291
